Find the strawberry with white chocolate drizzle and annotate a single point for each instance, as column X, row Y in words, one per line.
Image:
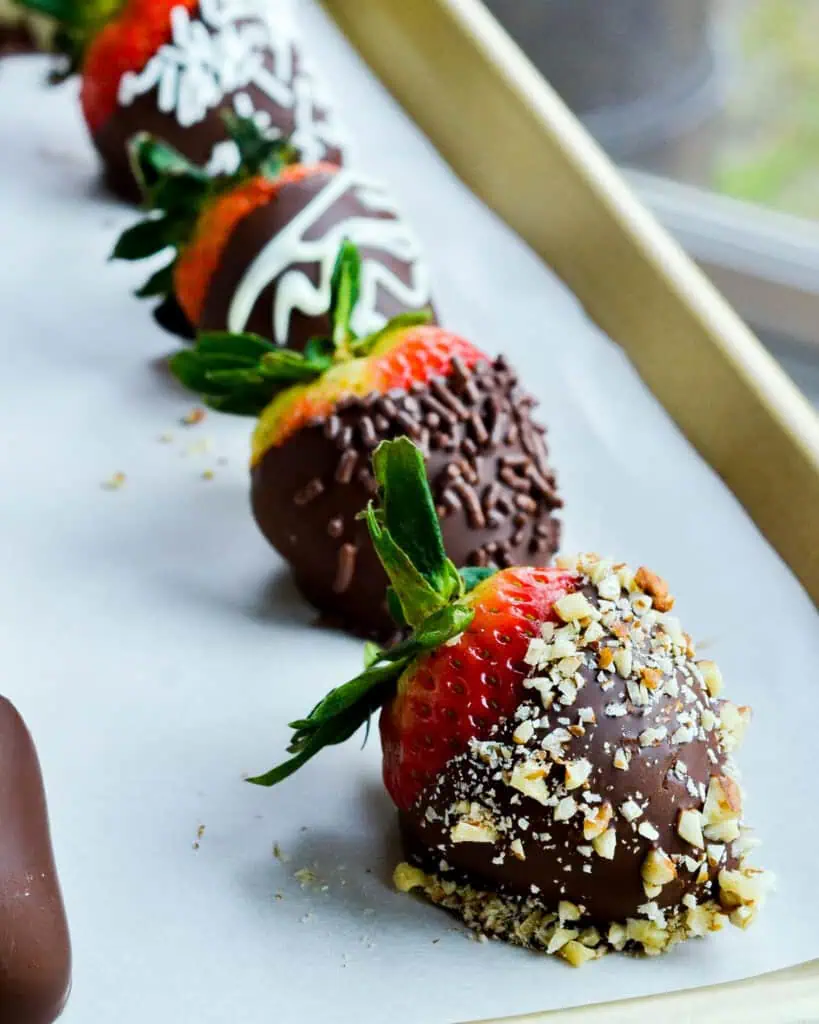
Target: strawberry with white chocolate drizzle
column 256, row 249
column 560, row 761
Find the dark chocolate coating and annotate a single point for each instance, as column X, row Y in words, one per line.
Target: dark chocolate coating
column 35, row 952
column 254, row 232
column 196, row 141
column 16, row 39
column 308, row 513
column 613, row 890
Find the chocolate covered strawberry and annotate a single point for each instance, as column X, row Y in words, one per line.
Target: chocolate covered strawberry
column 321, row 415
column 170, row 66
column 255, row 250
column 560, row 762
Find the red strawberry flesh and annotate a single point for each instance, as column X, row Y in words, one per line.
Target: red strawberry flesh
column 460, row 690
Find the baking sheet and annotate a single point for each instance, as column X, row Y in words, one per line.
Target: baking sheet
column 157, row 647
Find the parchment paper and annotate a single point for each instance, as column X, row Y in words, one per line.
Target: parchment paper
column 157, row 647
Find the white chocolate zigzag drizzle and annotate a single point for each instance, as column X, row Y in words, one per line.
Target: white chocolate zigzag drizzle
column 294, row 290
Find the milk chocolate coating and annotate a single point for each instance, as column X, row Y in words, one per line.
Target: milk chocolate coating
column 307, row 492
column 35, row 952
column 254, row 232
column 554, row 869
column 196, row 141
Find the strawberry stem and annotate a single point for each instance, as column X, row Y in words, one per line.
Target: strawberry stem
column 78, row 21
column 345, row 290
column 406, row 535
column 242, row 373
column 175, row 192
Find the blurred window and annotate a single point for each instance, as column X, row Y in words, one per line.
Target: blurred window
column 712, row 107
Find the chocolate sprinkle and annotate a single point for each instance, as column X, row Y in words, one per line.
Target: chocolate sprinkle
column 346, row 466
column 309, row 493
column 346, row 567
column 496, row 499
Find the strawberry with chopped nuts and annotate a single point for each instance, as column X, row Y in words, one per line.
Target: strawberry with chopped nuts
column 170, row 66
column 542, row 798
column 323, row 412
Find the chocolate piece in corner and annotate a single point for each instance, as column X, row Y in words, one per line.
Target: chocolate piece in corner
column 35, row 950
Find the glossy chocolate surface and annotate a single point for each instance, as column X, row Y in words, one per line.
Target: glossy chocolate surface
column 35, row 951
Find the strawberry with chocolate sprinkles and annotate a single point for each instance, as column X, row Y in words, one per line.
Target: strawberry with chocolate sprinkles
column 323, row 412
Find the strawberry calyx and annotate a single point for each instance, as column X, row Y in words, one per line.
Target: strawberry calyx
column 427, row 593
column 77, row 21
column 243, row 373
column 176, row 191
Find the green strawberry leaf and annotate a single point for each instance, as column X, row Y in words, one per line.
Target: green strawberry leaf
column 160, row 283
column 247, row 345
column 147, row 238
column 345, row 290
column 408, row 523
column 417, row 597
column 424, row 583
column 401, row 322
column 242, row 373
column 154, row 162
column 258, row 154
column 473, row 575
column 372, row 653
column 344, row 710
column 395, row 609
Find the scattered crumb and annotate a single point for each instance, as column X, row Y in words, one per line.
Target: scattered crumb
column 200, row 447
column 435, row 942
column 208, row 474
column 279, row 854
column 115, row 482
column 279, row 895
column 194, row 416
column 305, row 877
column 307, row 917
column 199, row 833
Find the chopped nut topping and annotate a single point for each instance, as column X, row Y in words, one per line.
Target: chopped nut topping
column 565, row 808
column 524, row 732
column 574, row 607
column 622, row 759
column 689, row 827
column 623, row 662
column 604, row 844
column 471, row 832
column 516, row 849
column 712, row 677
column 567, row 911
column 528, row 778
column 606, row 657
column 631, row 810
column 576, row 954
column 597, row 821
column 577, row 772
column 653, row 737
column 658, row 868
column 657, row 587
column 648, row 831
column 723, row 802
column 652, row 677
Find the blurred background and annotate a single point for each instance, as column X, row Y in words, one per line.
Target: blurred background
column 712, row 107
